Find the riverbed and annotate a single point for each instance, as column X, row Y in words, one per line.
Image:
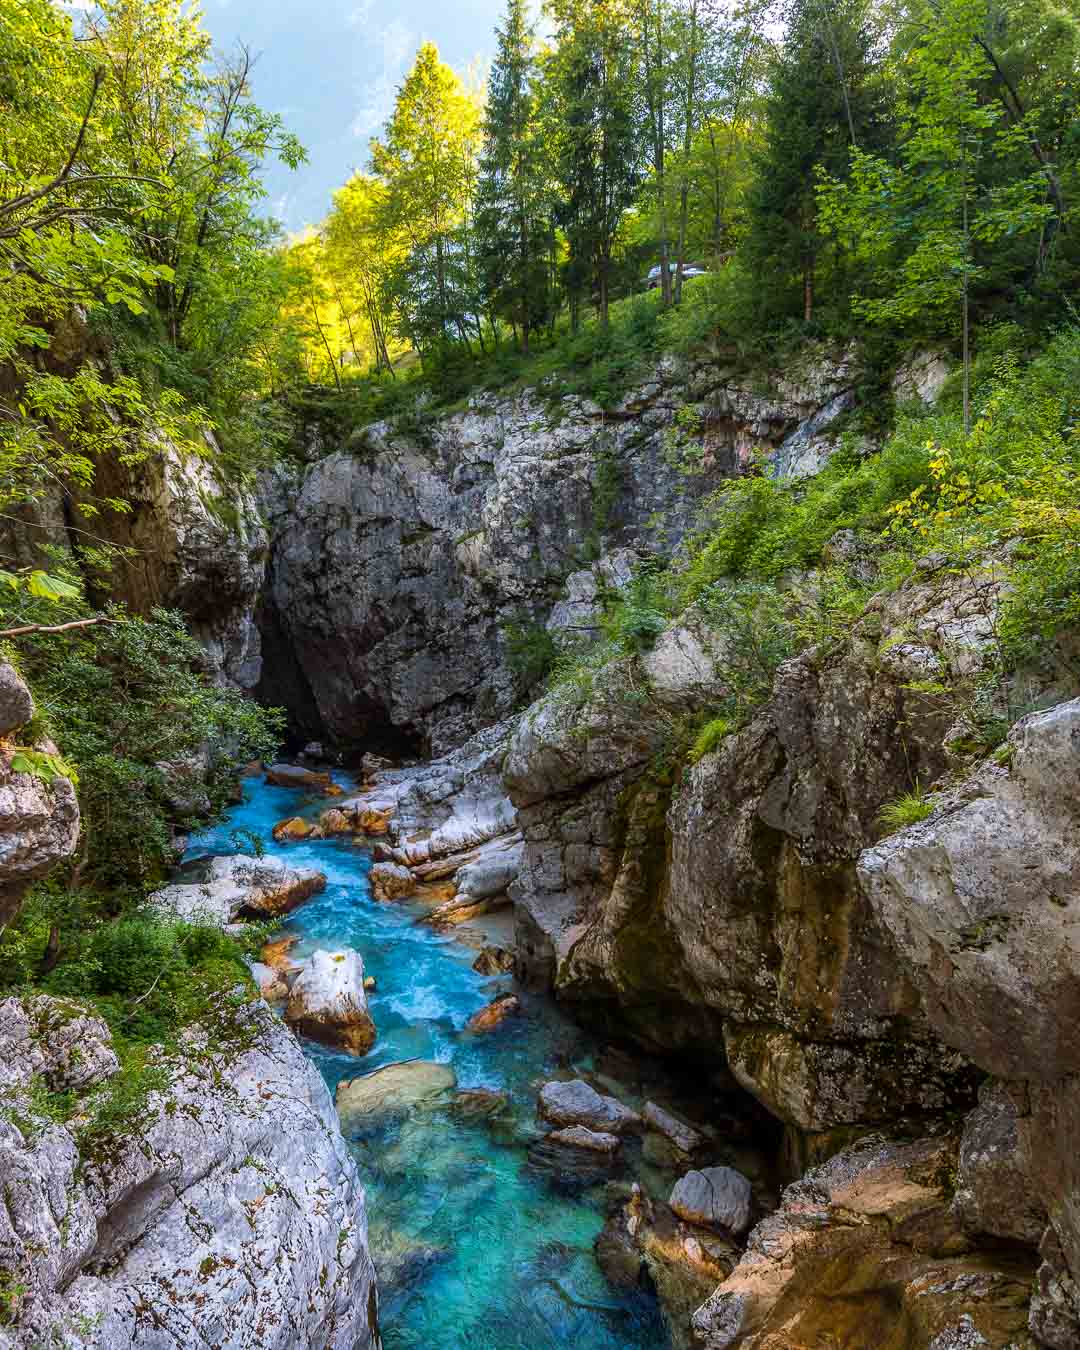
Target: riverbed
column 476, row 1245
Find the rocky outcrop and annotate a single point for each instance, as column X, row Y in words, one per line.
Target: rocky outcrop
column 865, row 1251
column 400, row 559
column 238, row 885
column 190, row 541
column 39, row 812
column 981, row 902
column 722, row 907
column 231, row 1213
column 714, row 1197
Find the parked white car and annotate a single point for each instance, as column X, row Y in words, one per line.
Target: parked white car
column 689, row 270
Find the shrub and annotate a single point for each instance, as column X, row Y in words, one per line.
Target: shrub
column 708, row 738
column 126, row 701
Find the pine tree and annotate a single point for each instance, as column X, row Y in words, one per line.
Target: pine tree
column 511, row 215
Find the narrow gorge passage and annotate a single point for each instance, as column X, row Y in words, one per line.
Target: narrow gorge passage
column 474, row 1246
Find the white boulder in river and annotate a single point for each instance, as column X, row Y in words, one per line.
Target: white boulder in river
column 328, row 1003
column 228, row 1213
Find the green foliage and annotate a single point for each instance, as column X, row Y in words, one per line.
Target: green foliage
column 128, row 703
column 708, row 738
column 42, row 764
column 906, row 810
column 531, row 652
column 636, row 616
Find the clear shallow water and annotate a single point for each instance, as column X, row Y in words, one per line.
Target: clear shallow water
column 475, row 1247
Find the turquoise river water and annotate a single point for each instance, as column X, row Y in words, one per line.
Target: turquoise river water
column 476, row 1247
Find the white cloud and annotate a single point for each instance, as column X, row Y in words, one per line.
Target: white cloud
column 359, row 14
column 398, row 42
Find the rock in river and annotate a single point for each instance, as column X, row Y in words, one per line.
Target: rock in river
column 262, row 887
column 328, row 1003
column 577, row 1136
column 496, row 1012
column 715, row 1197
column 391, row 881
column 576, row 1103
column 394, row 1089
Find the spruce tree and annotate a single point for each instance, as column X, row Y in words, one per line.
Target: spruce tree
column 826, row 99
column 511, row 224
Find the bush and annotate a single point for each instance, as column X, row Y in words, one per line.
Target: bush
column 127, row 701
column 708, row 738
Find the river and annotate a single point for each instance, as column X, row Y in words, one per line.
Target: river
column 476, row 1246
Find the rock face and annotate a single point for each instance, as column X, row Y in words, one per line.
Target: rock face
column 981, row 901
column 196, row 544
column 729, row 911
column 239, row 885
column 39, row 813
column 398, row 561
column 327, row 1002
column 233, row 1215
column 866, row 1251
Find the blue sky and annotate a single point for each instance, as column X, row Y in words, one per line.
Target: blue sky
column 331, row 69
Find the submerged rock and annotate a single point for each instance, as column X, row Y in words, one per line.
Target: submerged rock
column 714, row 1197
column 392, row 1090
column 327, row 1003
column 576, row 1103
column 577, row 1136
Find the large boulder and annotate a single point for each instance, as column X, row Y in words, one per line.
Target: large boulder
column 714, row 1197
column 576, row 1103
column 327, row 1002
column 392, row 1090
column 241, row 885
column 227, row 1211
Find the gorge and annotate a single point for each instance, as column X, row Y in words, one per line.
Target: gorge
column 540, row 714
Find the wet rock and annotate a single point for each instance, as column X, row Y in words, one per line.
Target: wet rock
column 496, row 1012
column 296, row 827
column 369, row 983
column 684, row 1137
column 577, row 1136
column 327, row 1002
column 494, row 961
column 296, row 776
column 275, row 954
column 644, row 1243
column 391, row 881
column 995, row 1193
column 479, row 1104
column 235, row 885
column 395, row 1089
column 576, row 1103
column 865, row 1251
column 336, row 821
